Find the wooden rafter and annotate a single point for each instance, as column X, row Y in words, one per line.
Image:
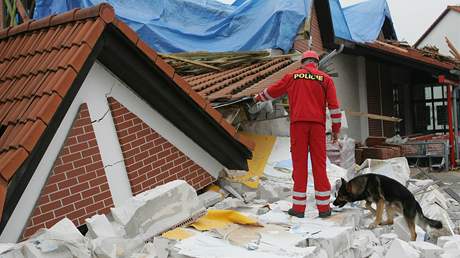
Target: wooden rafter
column 2, row 14
column 21, row 10
column 453, row 50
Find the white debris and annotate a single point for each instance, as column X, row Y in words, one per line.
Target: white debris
column 396, row 168
column 364, row 243
column 99, row 226
column 32, row 251
column 444, row 239
column 249, row 196
column 335, row 240
column 401, row 249
column 228, row 203
column 275, row 217
column 205, row 246
column 157, row 210
column 210, row 198
column 114, row 247
column 403, row 232
column 451, row 249
column 427, row 250
column 387, row 239
column 273, row 191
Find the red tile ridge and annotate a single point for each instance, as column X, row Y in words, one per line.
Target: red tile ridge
column 104, row 10
column 250, row 144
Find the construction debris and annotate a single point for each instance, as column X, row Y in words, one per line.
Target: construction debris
column 166, row 222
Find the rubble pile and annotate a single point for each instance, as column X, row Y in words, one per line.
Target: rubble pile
column 231, row 220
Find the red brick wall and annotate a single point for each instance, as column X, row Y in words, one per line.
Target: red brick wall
column 77, row 187
column 149, row 158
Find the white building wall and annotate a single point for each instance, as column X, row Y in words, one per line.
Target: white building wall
column 448, row 26
column 351, row 91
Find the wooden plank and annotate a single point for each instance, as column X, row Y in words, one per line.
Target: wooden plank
column 374, row 116
column 22, row 11
column 191, row 62
column 2, row 14
column 454, row 51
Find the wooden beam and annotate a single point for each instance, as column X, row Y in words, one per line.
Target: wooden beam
column 454, row 52
column 22, row 11
column 197, row 63
column 10, row 12
column 2, row 14
column 374, row 116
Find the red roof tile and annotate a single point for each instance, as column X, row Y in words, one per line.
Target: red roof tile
column 236, row 82
column 410, row 53
column 39, row 61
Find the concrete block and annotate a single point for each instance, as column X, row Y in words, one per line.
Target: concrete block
column 157, row 210
column 401, row 249
column 210, row 198
column 229, row 203
column 31, row 251
column 363, row 242
column 249, row 196
column 402, row 230
column 272, row 191
column 427, row 250
column 322, row 234
column 387, row 239
column 444, row 239
column 116, row 247
column 99, row 226
column 17, row 253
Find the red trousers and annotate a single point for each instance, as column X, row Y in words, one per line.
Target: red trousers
column 309, row 137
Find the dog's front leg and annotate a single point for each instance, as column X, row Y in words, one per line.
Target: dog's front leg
column 379, row 213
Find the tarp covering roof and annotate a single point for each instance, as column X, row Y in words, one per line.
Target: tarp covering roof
column 171, row 26
column 361, row 22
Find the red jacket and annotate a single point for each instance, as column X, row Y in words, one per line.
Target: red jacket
column 309, row 91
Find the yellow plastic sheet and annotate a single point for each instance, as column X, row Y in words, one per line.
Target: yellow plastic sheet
column 177, row 234
column 221, row 218
column 260, row 155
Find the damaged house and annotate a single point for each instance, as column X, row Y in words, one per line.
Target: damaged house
column 90, row 116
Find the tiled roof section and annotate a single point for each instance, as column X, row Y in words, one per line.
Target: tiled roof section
column 236, row 81
column 39, row 61
column 408, row 52
column 454, row 7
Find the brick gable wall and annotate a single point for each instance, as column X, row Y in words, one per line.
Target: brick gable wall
column 149, row 158
column 77, row 187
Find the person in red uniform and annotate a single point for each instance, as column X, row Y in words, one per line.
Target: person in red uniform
column 309, row 92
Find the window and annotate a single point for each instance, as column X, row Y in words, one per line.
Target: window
column 430, row 108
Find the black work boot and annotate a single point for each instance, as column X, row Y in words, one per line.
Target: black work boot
column 297, row 214
column 325, row 214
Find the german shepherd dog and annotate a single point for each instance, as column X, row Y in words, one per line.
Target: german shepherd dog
column 384, row 191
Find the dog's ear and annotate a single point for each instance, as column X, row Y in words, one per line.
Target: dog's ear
column 343, row 181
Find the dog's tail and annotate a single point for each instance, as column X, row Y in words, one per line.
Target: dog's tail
column 431, row 222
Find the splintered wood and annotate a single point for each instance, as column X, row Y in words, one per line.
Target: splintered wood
column 193, row 63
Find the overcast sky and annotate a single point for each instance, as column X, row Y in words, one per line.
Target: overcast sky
column 412, row 17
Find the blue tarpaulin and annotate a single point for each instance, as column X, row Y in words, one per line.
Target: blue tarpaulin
column 171, row 26
column 365, row 20
column 361, row 22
